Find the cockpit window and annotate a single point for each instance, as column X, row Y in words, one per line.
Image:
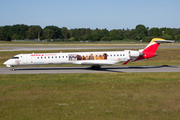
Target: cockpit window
column 15, row 58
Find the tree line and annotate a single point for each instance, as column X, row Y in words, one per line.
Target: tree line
column 22, row 32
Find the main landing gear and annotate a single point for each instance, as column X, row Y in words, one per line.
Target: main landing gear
column 95, row 67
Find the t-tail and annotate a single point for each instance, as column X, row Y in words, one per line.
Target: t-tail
column 150, row 50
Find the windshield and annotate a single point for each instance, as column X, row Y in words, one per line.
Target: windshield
column 15, row 58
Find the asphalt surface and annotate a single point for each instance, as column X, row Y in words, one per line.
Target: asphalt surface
column 30, row 48
column 104, row 69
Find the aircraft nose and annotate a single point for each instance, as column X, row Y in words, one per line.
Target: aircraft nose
column 6, row 62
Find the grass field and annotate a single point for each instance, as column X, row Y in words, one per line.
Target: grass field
column 133, row 96
column 92, row 96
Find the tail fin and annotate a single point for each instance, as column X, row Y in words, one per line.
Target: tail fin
column 150, row 49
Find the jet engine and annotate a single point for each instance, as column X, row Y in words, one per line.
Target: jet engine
column 135, row 53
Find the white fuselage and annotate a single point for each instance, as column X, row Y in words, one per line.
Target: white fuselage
column 83, row 58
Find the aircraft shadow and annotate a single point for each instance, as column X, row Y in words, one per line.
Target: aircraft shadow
column 103, row 69
column 114, row 69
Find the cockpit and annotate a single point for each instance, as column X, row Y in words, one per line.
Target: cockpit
column 15, row 58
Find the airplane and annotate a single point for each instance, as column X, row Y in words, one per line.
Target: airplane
column 94, row 59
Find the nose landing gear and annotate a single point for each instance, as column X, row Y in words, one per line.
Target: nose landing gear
column 13, row 69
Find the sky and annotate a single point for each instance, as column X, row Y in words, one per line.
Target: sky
column 109, row 14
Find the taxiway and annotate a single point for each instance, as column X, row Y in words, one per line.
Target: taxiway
column 30, row 48
column 86, row 69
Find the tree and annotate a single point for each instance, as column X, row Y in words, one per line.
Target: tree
column 33, row 32
column 19, row 30
column 154, row 32
column 88, row 31
column 112, row 34
column 177, row 37
column 132, row 34
column 73, row 33
column 2, row 34
column 167, row 37
column 82, row 32
column 17, row 37
column 167, row 31
column 6, row 33
column 176, row 31
column 105, row 38
column 104, row 33
column 64, row 32
column 120, row 34
column 98, row 34
column 140, row 31
column 48, row 33
column 56, row 31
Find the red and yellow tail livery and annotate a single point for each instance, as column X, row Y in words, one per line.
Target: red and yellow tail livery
column 150, row 50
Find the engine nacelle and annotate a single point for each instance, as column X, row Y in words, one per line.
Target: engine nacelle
column 135, row 53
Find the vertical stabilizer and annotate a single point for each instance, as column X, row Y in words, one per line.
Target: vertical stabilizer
column 150, row 50
column 153, row 45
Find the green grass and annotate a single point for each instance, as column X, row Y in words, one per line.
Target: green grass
column 90, row 96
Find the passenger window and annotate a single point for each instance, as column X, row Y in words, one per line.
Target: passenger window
column 45, row 57
column 114, row 55
column 37, row 57
column 62, row 56
column 41, row 57
column 48, row 57
column 66, row 56
column 123, row 55
column 55, row 56
column 117, row 54
column 59, row 56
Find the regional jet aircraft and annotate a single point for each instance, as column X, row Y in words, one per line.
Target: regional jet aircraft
column 94, row 59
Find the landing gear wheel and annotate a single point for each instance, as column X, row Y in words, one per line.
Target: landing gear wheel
column 13, row 69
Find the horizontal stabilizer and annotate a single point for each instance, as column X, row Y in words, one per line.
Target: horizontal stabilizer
column 164, row 41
